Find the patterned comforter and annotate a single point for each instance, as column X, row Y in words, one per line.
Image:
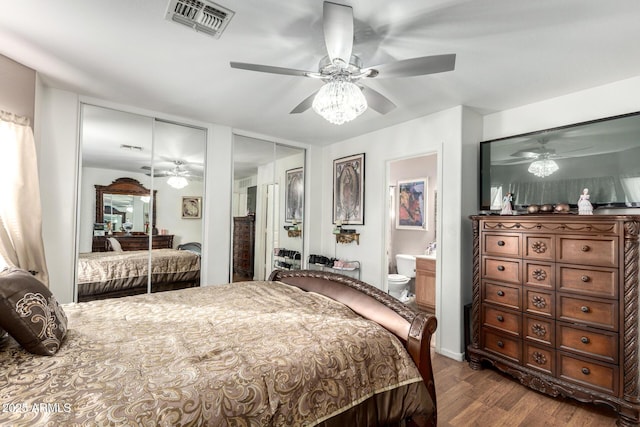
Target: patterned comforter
column 242, row 354
column 104, row 272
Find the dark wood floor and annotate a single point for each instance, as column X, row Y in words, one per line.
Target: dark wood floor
column 489, row 398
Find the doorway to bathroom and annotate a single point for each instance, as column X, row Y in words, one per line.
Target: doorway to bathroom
column 411, row 238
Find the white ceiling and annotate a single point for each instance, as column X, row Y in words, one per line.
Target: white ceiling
column 509, row 53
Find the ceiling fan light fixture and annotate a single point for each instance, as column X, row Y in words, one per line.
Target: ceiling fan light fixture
column 177, row 182
column 543, row 168
column 339, row 101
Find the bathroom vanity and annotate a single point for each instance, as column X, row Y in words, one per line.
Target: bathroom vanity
column 426, row 282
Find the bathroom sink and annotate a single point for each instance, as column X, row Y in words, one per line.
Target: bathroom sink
column 432, row 256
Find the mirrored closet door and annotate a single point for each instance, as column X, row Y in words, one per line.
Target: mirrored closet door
column 268, row 208
column 140, row 204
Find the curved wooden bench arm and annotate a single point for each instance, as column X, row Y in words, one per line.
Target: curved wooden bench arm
column 414, row 328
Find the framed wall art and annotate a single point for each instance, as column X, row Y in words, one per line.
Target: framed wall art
column 294, row 196
column 191, row 207
column 411, row 204
column 348, row 190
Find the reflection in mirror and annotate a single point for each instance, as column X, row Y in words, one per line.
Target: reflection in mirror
column 128, row 213
column 124, row 206
column 125, row 212
column 555, row 166
column 268, row 208
column 178, row 176
column 289, row 171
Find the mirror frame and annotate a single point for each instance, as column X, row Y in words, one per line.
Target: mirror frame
column 127, row 186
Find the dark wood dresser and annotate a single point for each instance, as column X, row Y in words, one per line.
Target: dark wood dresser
column 135, row 242
column 243, row 245
column 555, row 304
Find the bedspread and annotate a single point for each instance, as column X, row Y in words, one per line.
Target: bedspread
column 242, row 354
column 102, row 272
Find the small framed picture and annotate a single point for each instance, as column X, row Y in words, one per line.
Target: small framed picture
column 411, row 210
column 191, row 207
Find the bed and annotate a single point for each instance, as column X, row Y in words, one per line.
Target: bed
column 304, row 348
column 115, row 274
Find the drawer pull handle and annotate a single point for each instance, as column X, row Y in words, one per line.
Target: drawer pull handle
column 501, row 268
column 500, row 344
column 584, row 309
column 586, row 371
column 500, row 318
column 585, row 278
column 585, row 248
column 500, row 242
column 585, row 340
column 500, row 293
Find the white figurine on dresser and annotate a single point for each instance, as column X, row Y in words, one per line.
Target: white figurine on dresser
column 584, row 205
column 507, row 208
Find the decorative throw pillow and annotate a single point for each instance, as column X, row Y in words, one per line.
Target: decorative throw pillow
column 30, row 313
column 115, row 245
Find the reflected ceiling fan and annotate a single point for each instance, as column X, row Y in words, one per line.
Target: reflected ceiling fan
column 343, row 97
column 541, row 158
column 178, row 175
column 540, row 151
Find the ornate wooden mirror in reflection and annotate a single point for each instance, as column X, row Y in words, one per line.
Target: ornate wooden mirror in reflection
column 119, row 190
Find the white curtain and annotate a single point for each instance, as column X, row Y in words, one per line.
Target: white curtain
column 20, row 209
column 601, row 189
column 631, row 187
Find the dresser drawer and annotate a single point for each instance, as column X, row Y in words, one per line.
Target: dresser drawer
column 539, row 274
column 502, row 270
column 507, row 321
column 540, row 358
column 508, row 296
column 537, row 301
column 540, row 247
column 508, row 347
column 576, row 250
column 593, row 281
column 539, row 330
column 596, row 312
column 507, row 244
column 587, row 342
column 596, row 375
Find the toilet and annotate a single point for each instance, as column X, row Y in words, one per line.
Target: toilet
column 406, row 265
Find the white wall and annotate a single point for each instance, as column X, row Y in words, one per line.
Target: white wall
column 440, row 133
column 216, row 250
column 603, row 101
column 17, row 88
column 56, row 133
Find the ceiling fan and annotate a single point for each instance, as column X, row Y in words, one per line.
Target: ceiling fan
column 540, row 151
column 343, row 97
column 178, row 168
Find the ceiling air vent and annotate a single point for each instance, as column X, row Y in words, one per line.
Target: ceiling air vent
column 202, row 16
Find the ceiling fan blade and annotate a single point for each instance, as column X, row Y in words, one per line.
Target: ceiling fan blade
column 305, row 104
column 415, row 66
column 270, row 69
column 337, row 21
column 377, row 101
